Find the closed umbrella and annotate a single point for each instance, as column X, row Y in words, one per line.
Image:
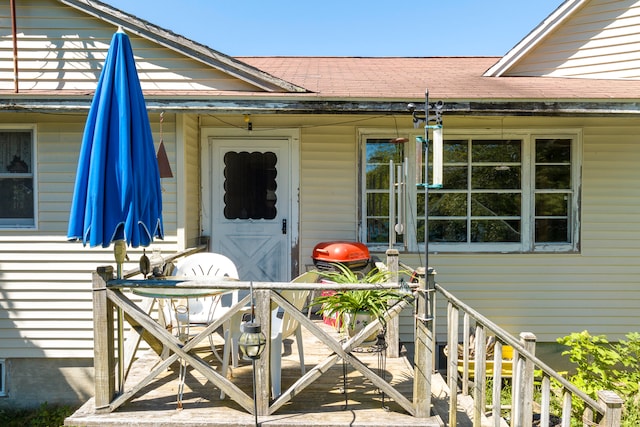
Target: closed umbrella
column 117, row 195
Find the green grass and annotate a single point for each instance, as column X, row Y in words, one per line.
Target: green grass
column 44, row 416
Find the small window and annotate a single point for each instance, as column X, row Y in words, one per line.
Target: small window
column 17, row 178
column 3, row 388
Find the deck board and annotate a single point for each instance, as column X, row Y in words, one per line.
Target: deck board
column 323, row 403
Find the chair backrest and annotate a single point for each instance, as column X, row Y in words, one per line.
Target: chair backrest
column 283, row 322
column 207, row 264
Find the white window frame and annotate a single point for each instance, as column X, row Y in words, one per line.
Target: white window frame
column 527, row 243
column 6, row 225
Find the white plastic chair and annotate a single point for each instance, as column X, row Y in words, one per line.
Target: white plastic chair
column 205, row 310
column 283, row 326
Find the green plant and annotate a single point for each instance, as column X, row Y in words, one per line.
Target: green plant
column 344, row 303
column 602, row 365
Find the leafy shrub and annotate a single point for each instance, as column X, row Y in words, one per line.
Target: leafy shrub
column 603, row 365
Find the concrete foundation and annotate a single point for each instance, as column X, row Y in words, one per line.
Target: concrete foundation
column 31, row 382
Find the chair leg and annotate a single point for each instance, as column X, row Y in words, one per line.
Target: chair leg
column 276, row 365
column 235, row 332
column 225, row 355
column 300, row 349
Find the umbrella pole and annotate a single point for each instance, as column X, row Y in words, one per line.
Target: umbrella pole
column 120, row 253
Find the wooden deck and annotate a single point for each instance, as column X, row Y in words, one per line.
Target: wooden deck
column 325, row 403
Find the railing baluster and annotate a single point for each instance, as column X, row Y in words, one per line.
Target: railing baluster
column 465, row 354
column 497, row 384
column 479, row 376
column 545, row 401
column 566, row 409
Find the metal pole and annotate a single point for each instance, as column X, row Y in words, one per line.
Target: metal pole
column 426, row 184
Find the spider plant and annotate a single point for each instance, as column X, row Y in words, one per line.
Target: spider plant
column 345, row 304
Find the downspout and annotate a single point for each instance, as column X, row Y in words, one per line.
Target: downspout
column 15, row 45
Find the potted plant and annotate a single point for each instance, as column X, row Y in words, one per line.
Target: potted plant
column 355, row 309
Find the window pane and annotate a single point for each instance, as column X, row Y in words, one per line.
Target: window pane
column 447, row 204
column 17, row 198
column 553, row 151
column 378, row 177
column 455, row 177
column 496, row 177
column 250, row 185
column 495, row 231
column 377, row 230
column 378, row 204
column 495, row 204
column 507, row 151
column 552, row 231
column 15, row 152
column 552, row 204
column 455, row 151
column 378, row 156
column 557, row 177
column 454, row 231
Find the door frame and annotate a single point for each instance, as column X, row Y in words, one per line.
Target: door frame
column 292, row 135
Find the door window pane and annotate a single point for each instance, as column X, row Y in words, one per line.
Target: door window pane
column 250, row 185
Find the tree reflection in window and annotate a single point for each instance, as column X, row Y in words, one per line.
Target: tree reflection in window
column 250, row 185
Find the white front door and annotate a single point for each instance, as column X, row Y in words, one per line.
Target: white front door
column 251, row 205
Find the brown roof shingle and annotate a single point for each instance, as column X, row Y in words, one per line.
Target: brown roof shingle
column 453, row 78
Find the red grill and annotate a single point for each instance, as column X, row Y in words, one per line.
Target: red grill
column 353, row 255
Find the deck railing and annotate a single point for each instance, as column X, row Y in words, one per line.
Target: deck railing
column 112, row 306
column 532, row 382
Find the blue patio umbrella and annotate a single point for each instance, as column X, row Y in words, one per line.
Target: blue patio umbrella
column 117, row 195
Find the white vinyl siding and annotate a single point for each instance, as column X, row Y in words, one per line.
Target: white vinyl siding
column 61, row 48
column 601, row 40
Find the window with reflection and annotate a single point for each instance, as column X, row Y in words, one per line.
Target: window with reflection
column 16, row 178
column 499, row 194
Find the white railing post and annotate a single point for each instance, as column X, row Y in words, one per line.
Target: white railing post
column 528, row 340
column 103, row 347
column 423, row 352
column 613, row 403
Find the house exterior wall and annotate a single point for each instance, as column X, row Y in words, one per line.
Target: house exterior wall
column 61, row 48
column 601, row 40
column 551, row 294
column 45, row 281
